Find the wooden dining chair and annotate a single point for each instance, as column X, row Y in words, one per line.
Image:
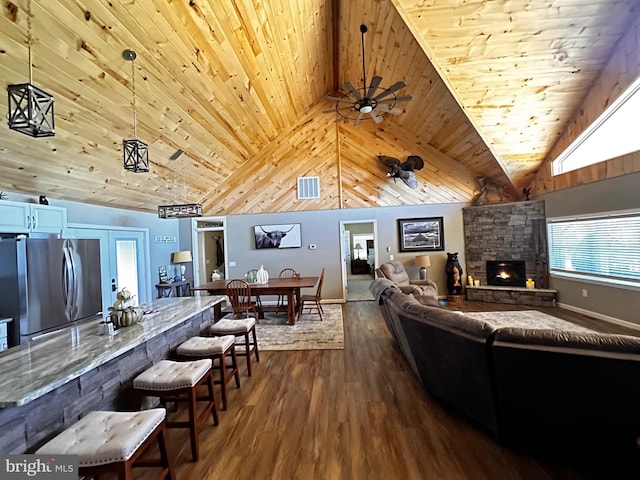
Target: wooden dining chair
column 315, row 299
column 239, row 293
column 284, row 273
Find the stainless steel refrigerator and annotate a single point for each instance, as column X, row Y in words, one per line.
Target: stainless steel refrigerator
column 46, row 284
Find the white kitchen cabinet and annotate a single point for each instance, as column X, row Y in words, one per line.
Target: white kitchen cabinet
column 3, row 333
column 18, row 217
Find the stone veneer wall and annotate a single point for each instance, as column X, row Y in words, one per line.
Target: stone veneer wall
column 108, row 387
column 513, row 296
column 500, row 232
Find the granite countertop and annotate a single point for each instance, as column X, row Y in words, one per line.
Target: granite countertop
column 32, row 370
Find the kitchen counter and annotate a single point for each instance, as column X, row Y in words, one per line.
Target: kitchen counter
column 30, row 371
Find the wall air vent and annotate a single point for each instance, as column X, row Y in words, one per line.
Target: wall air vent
column 308, row 188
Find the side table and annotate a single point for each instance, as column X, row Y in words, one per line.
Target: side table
column 174, row 289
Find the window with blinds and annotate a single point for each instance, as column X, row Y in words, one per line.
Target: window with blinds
column 605, row 248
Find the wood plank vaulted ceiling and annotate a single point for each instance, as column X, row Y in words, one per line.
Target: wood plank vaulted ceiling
column 240, row 86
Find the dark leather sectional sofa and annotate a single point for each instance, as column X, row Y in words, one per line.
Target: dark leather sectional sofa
column 573, row 395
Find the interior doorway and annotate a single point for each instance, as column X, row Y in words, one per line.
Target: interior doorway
column 209, row 245
column 359, row 258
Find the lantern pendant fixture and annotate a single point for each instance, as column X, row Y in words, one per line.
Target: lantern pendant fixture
column 135, row 152
column 183, row 210
column 30, row 108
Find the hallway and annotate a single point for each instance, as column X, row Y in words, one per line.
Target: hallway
column 358, row 288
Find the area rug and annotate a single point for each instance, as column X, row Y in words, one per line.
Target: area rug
column 309, row 333
column 526, row 319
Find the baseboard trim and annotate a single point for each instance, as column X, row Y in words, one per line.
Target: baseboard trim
column 600, row 316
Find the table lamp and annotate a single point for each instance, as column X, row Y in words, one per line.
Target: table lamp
column 423, row 261
column 181, row 258
column 357, row 248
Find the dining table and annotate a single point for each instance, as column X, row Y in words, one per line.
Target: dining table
column 289, row 287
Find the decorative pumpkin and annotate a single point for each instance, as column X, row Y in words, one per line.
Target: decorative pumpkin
column 124, row 311
column 124, row 294
column 262, row 276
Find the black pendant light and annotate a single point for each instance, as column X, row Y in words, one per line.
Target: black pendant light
column 135, row 152
column 30, row 107
column 182, row 210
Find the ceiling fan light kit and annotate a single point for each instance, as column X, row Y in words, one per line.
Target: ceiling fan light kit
column 30, row 108
column 135, row 152
column 373, row 100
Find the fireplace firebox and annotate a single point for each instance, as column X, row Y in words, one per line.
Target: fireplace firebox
column 506, row 273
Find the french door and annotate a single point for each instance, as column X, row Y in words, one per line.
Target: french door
column 122, row 261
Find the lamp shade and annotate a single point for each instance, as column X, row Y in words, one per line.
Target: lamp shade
column 181, row 257
column 423, row 261
column 358, row 247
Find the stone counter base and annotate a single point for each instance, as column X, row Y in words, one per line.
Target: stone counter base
column 513, row 295
column 108, row 387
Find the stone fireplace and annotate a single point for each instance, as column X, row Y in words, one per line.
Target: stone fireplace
column 506, row 273
column 502, row 232
column 507, row 244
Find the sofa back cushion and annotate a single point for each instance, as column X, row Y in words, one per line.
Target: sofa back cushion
column 564, row 339
column 446, row 318
column 570, row 393
column 450, row 353
column 381, row 287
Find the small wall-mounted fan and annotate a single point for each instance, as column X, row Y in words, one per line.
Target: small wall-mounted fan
column 373, row 100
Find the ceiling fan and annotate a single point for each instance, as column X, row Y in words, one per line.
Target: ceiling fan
column 373, row 100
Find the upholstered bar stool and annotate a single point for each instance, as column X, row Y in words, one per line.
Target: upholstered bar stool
column 241, row 327
column 112, row 442
column 175, row 381
column 221, row 350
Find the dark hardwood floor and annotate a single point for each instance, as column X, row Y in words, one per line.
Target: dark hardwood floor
column 358, row 413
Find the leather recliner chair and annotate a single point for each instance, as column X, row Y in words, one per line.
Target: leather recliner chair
column 426, row 292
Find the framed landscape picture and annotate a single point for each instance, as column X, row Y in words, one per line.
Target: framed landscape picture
column 420, row 234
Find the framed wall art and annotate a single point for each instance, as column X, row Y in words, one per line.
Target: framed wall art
column 278, row 236
column 421, row 234
column 162, row 273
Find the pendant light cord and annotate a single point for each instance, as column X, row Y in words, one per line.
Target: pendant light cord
column 29, row 41
column 363, row 30
column 133, row 82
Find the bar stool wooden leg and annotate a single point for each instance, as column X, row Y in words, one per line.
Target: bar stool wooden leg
column 218, row 349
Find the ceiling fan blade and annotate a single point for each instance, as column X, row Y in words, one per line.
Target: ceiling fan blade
column 359, row 119
column 404, row 98
column 339, row 99
column 376, row 118
column 349, row 86
column 339, row 110
column 387, row 109
column 393, row 88
column 375, row 83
